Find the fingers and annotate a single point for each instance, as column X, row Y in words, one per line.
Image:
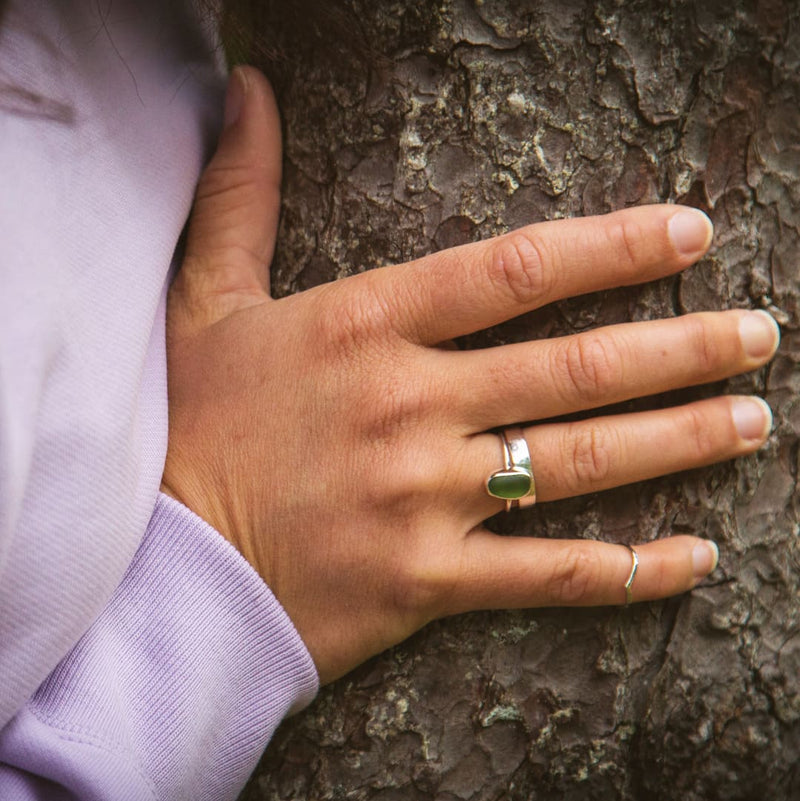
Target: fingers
column 472, row 287
column 549, row 378
column 577, row 458
column 516, row 572
column 235, row 217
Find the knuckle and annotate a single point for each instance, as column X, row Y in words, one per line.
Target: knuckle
column 699, row 434
column 592, row 366
column 592, row 458
column 520, row 265
column 422, row 584
column 220, row 181
column 393, row 407
column 347, row 322
column 574, row 578
column 423, row 578
column 399, row 493
column 703, row 345
column 386, row 486
column 626, row 237
column 663, row 580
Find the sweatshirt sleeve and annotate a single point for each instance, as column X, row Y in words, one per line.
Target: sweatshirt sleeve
column 175, row 689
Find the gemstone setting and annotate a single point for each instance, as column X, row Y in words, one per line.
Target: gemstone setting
column 509, row 485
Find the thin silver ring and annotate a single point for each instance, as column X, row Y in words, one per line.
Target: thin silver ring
column 632, row 576
column 515, row 483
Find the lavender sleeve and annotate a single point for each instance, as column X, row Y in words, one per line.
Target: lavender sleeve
column 174, row 691
column 140, row 655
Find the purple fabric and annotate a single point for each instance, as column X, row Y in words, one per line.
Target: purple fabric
column 177, row 687
column 162, row 662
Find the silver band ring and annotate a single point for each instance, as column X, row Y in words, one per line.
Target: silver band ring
column 514, row 484
column 632, row 576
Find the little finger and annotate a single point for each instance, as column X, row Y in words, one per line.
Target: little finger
column 517, row 572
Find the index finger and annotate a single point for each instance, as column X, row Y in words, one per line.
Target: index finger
column 472, row 287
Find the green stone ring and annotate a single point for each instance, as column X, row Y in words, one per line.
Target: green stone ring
column 514, row 484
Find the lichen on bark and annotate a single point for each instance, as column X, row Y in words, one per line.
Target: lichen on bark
column 483, row 117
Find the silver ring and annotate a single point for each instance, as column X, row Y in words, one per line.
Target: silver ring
column 632, row 576
column 514, row 484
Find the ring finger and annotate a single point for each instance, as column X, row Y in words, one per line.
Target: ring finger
column 571, row 459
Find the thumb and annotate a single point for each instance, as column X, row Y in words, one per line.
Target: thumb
column 232, row 230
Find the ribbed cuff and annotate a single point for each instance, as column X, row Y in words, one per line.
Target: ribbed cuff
column 181, row 681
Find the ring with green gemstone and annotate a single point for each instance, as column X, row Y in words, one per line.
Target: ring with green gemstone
column 514, row 484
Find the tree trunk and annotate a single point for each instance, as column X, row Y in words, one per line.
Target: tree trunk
column 488, row 115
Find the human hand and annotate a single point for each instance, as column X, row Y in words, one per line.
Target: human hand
column 335, row 441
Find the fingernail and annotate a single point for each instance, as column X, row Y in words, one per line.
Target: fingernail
column 234, row 97
column 759, row 333
column 705, row 558
column 690, row 231
column 752, row 418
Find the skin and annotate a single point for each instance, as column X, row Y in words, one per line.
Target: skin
column 342, row 446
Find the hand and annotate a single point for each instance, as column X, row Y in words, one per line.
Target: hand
column 343, row 450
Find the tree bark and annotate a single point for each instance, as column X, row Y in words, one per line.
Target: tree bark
column 488, row 115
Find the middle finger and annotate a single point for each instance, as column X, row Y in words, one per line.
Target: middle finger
column 536, row 380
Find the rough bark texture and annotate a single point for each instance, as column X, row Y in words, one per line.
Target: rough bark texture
column 489, row 115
